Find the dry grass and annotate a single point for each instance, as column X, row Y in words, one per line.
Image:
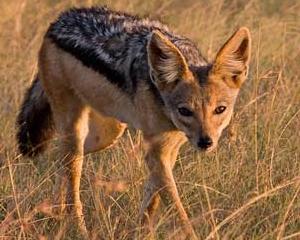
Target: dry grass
column 248, row 189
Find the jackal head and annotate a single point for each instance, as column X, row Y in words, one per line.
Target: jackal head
column 200, row 100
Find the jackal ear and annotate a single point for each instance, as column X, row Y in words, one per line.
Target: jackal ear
column 167, row 64
column 232, row 61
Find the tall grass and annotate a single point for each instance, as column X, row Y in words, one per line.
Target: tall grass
column 248, row 189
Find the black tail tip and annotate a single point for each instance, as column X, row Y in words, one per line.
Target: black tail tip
column 34, row 121
column 26, row 146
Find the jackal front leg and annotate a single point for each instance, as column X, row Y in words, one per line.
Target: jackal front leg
column 161, row 155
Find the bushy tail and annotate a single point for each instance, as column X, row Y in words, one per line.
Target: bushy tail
column 34, row 122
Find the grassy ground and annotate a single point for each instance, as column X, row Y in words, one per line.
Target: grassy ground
column 248, row 189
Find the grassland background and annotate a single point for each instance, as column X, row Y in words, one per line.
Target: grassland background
column 248, row 189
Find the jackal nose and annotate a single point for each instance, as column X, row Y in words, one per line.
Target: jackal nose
column 205, row 142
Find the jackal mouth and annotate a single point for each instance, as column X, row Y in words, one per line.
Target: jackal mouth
column 208, row 149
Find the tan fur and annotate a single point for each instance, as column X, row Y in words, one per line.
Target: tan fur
column 104, row 132
column 89, row 113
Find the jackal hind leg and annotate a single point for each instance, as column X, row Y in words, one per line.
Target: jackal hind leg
column 103, row 132
column 71, row 121
column 160, row 159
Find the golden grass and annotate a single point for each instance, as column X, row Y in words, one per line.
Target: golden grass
column 248, row 189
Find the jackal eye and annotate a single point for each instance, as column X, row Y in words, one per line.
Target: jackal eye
column 185, row 112
column 220, row 109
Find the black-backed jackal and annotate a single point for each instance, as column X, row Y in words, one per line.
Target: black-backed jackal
column 100, row 70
